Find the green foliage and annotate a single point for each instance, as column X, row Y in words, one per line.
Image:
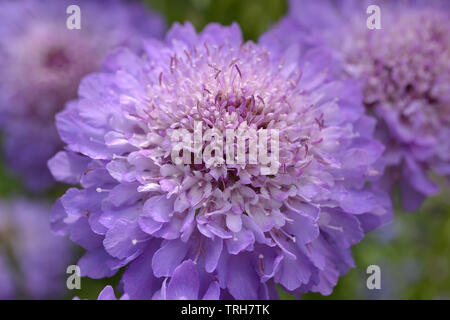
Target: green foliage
column 9, row 184
column 254, row 16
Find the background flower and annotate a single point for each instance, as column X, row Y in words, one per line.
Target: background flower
column 404, row 69
column 33, row 261
column 42, row 62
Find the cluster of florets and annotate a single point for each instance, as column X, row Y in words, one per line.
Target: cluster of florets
column 217, row 230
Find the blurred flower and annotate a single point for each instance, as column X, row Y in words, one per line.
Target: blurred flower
column 33, row 261
column 42, row 62
column 188, row 230
column 108, row 294
column 405, row 72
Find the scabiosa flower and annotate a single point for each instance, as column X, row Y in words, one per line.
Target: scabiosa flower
column 203, row 231
column 404, row 69
column 42, row 62
column 33, row 260
column 184, row 285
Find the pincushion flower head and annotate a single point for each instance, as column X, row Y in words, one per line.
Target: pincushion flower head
column 404, row 69
column 42, row 62
column 209, row 230
column 33, row 261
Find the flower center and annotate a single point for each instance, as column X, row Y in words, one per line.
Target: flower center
column 56, row 59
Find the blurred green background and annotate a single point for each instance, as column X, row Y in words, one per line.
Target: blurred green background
column 254, row 16
column 413, row 252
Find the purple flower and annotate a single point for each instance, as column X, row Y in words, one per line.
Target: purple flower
column 42, row 62
column 404, row 69
column 227, row 231
column 108, row 294
column 33, row 261
column 184, row 285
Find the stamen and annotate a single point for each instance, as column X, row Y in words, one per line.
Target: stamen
column 308, row 246
column 238, row 70
column 289, row 236
column 115, row 157
column 135, row 241
column 340, row 229
column 261, row 263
